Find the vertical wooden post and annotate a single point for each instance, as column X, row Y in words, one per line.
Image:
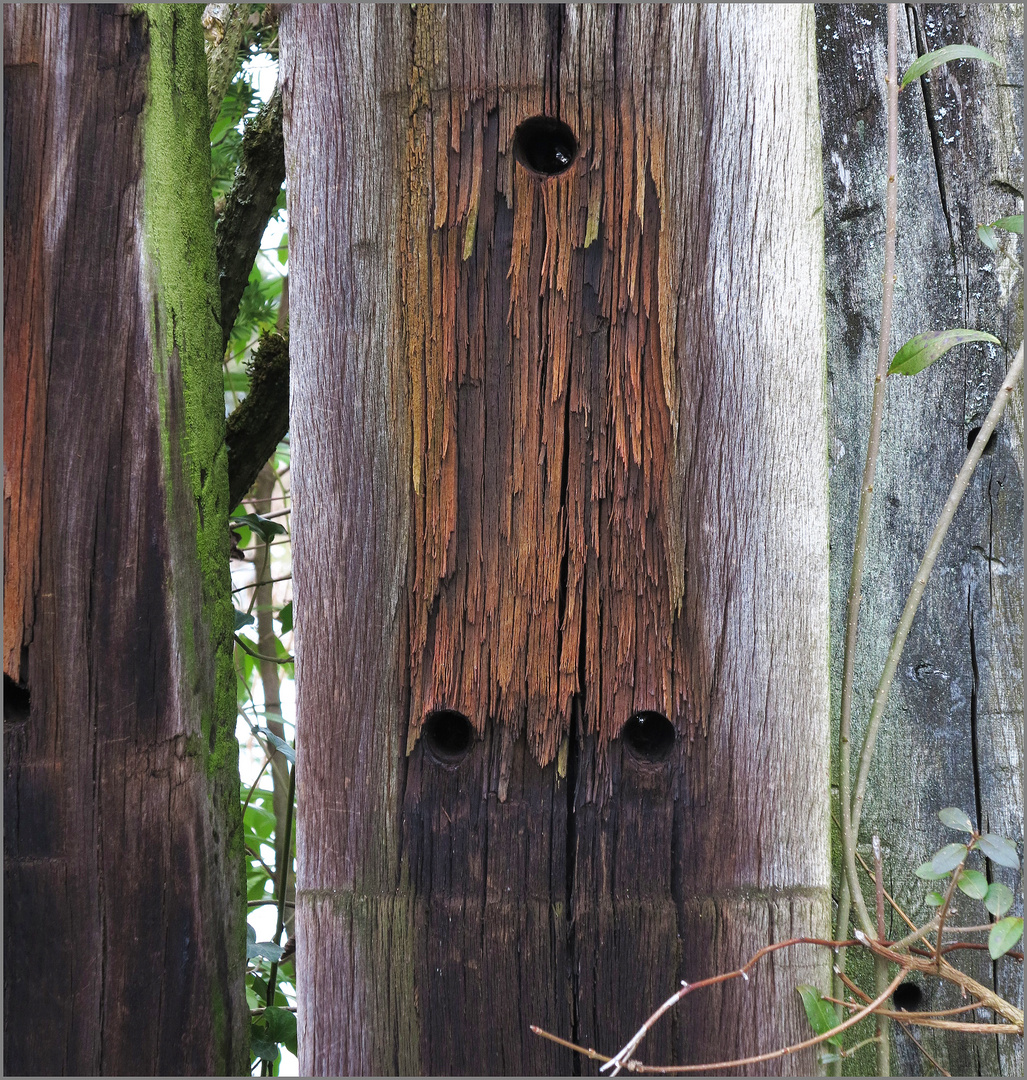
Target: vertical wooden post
column 560, row 483
column 123, row 890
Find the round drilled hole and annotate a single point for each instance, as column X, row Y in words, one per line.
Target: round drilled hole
column 971, row 437
column 649, row 736
column 545, row 145
column 448, row 735
column 908, row 996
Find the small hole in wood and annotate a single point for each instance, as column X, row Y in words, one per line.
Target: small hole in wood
column 17, row 701
column 649, row 736
column 545, row 146
column 448, row 736
column 972, row 434
column 908, row 997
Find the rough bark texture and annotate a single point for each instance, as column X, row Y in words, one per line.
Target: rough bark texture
column 123, row 891
column 249, row 205
column 953, row 732
column 259, row 422
column 558, row 456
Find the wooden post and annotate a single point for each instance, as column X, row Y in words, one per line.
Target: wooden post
column 951, row 736
column 560, row 529
column 123, row 891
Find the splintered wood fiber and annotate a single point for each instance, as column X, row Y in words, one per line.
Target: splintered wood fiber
column 539, row 317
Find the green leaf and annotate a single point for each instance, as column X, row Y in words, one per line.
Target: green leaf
column 242, row 618
column 956, row 819
column 264, row 527
column 948, row 858
column 926, row 873
column 934, row 899
column 1010, row 224
column 263, row 1048
column 259, row 820
column 285, row 617
column 280, row 744
column 921, row 351
column 820, row 1014
column 934, row 59
column 265, row 950
column 973, row 883
column 986, row 235
column 281, row 1026
column 999, row 850
column 283, row 249
column 251, row 934
column 998, row 899
column 1004, row 935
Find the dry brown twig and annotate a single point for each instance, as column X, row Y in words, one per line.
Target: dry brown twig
column 933, row 964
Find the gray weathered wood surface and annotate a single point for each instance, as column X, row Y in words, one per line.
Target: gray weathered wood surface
column 558, row 455
column 953, row 731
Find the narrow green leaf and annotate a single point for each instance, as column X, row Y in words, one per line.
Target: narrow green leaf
column 948, row 858
column 973, row 883
column 251, row 934
column 264, row 527
column 934, row 899
column 999, row 849
column 921, row 351
column 280, row 744
column 926, row 873
column 1013, row 223
column 285, row 617
column 998, row 899
column 1004, row 935
column 819, row 1013
column 956, row 819
column 922, row 64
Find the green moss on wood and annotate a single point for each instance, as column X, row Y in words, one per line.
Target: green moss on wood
column 180, row 234
column 186, row 341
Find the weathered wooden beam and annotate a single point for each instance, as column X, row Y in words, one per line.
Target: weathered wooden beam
column 123, row 890
column 558, row 433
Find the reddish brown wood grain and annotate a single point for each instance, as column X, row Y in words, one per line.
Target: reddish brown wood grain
column 558, row 457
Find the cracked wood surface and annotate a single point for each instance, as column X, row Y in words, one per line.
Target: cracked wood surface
column 557, row 457
column 953, row 731
column 123, row 892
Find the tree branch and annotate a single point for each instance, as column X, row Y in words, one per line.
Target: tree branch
column 261, row 420
column 225, row 27
column 249, row 206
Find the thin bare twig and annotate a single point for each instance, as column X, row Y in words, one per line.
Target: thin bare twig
column 849, row 828
column 923, row 1049
column 622, row 1060
column 946, row 903
column 955, row 496
column 946, row 971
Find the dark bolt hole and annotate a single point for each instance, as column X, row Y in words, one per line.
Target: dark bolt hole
column 545, row 145
column 649, row 736
column 907, row 996
column 16, row 701
column 448, row 736
column 972, row 435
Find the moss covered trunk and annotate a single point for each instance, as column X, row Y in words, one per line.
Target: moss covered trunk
column 560, row 483
column 124, row 920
